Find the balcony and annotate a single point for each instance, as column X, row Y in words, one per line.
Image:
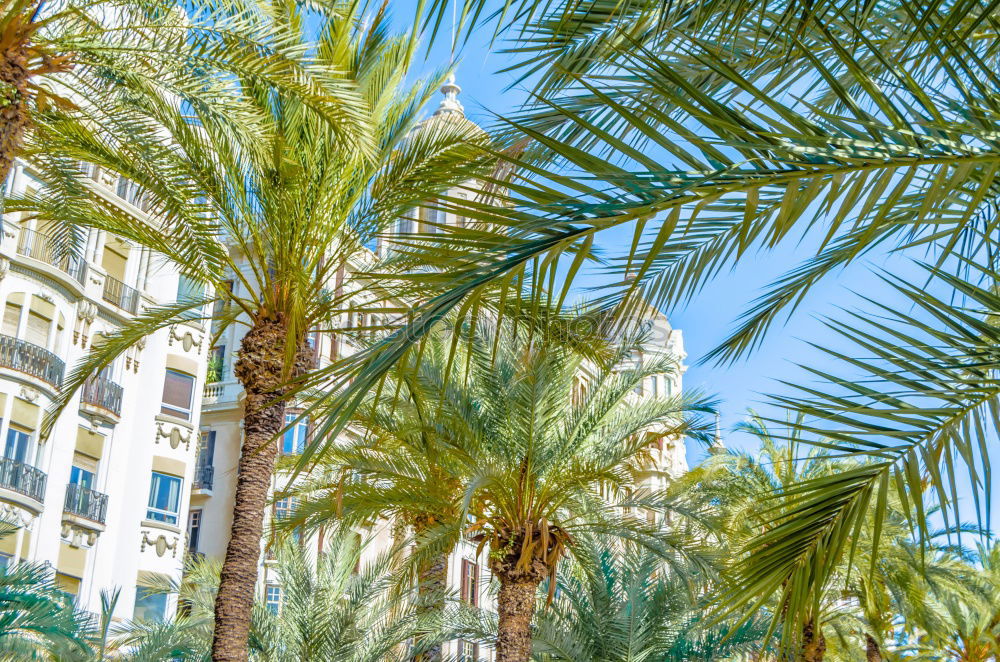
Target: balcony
column 21, row 478
column 121, row 295
column 203, row 477
column 43, row 248
column 102, row 393
column 86, row 503
column 31, row 359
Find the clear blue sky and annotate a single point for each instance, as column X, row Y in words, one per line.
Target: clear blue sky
column 709, row 318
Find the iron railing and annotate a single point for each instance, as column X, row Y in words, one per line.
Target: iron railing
column 203, row 477
column 120, row 294
column 22, row 478
column 102, row 393
column 31, row 359
column 42, row 247
column 86, row 503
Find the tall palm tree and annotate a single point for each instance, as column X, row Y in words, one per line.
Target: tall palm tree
column 279, row 208
column 546, row 465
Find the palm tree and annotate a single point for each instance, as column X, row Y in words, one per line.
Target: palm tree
column 76, row 55
column 619, row 604
column 547, row 464
column 37, row 619
column 330, row 608
column 279, row 209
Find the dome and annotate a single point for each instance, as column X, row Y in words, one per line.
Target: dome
column 451, row 110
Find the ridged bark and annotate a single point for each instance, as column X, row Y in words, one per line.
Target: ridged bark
column 433, row 578
column 14, row 116
column 260, row 368
column 516, row 604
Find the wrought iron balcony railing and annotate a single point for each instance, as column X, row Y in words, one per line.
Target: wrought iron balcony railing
column 120, row 294
column 31, row 359
column 86, row 503
column 203, row 477
column 103, row 393
column 42, row 247
column 22, row 478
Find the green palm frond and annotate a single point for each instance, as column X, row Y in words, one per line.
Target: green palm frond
column 919, row 408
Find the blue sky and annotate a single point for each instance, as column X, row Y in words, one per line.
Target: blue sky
column 711, row 315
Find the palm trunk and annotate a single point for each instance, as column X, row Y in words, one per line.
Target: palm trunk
column 516, row 608
column 433, row 578
column 873, row 653
column 13, row 106
column 813, row 643
column 261, row 370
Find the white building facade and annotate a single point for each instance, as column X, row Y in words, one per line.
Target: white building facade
column 103, row 498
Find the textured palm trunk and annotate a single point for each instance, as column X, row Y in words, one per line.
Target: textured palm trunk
column 13, row 106
column 813, row 643
column 872, row 651
column 515, row 608
column 261, row 370
column 433, row 578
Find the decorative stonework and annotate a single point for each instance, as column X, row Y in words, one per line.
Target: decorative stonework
column 86, row 313
column 4, row 267
column 15, row 515
column 175, row 434
column 185, row 337
column 160, row 544
column 78, row 536
column 28, row 393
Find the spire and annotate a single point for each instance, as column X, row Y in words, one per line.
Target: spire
column 717, row 445
column 450, row 103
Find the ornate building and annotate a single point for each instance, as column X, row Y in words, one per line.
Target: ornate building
column 104, row 497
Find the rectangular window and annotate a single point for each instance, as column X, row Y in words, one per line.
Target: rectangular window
column 470, row 583
column 467, row 651
column 654, row 386
column 37, row 330
column 206, row 451
column 272, row 598
column 150, row 605
column 18, row 444
column 82, row 477
column 194, row 530
column 11, row 319
column 5, row 561
column 164, row 498
column 295, row 438
column 178, row 392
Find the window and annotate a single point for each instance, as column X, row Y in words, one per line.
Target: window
column 461, row 221
column 467, row 651
column 295, row 437
column 654, row 387
column 272, row 598
column 188, row 289
column 18, row 443
column 178, row 391
column 37, row 330
column 164, row 498
column 11, row 319
column 149, row 605
column 194, row 530
column 5, row 561
column 206, row 451
column 68, row 584
column 470, row 583
column 82, row 477
column 283, row 508
column 225, row 294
